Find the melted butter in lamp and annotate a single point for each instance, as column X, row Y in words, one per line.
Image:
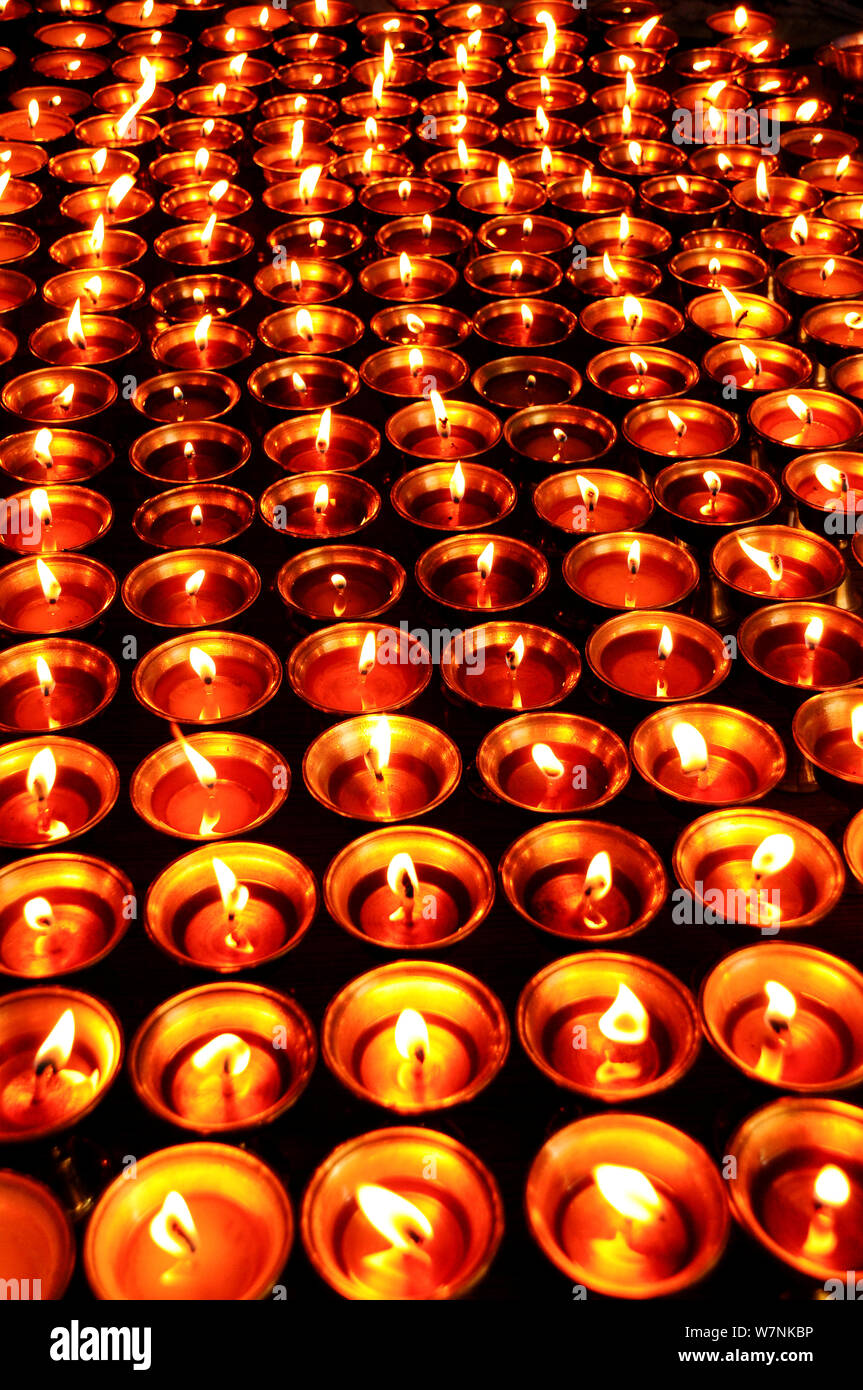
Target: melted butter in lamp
column 225, row 1080
column 624, row 1228
column 618, row 1047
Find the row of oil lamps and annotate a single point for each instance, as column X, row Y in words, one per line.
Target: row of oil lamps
column 206, row 1220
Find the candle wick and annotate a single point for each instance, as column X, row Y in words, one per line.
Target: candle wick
column 180, row 1233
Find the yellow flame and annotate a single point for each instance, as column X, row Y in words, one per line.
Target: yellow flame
column 322, row 438
column 38, row 914
column 172, row 1228
column 781, row 1004
column 666, row 643
column 628, row 1190
column 626, row 1020
column 761, row 187
column 691, row 747
column 547, row 760
column 394, row 1217
column 841, row 166
column 142, row 96
column 814, row 632
column 74, row 327
column 304, row 325
column 202, row 159
column 505, row 182
column 48, row 580
column 322, row 499
column 647, row 28
column 380, row 747
column 806, row 110
column 405, row 269
column 207, row 233
column 832, row 1188
column 308, row 181
column 56, row 1050
column 515, row 655
column 41, row 774
column 202, row 331
column 225, row 1053
column 442, row 424
column 485, row 561
column 203, row 665
column 237, row 63
column 738, row 313
column 368, row 654
column 412, row 1036
column 44, row 676
column 799, row 408
column 33, row 113
column 234, row 895
column 632, row 311
column 117, row 192
column 773, row 854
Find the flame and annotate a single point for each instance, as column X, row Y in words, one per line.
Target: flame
column 597, row 880
column 220, row 91
column 371, row 129
column 781, row 1004
column 202, row 331
column 813, row 634
column 761, row 187
column 412, row 1036
column 196, row 515
column 486, row 561
column 666, row 644
column 414, row 324
column 634, row 151
column 628, row 1190
column 322, row 438
column 724, row 162
column 202, row 768
column 172, row 1228
column 542, row 122
column 234, row 895
column 586, row 184
column 44, row 676
column 505, row 182
column 756, row 49
column 442, row 424
column 308, row 181
column 772, row 855
column 203, row 665
column 461, row 57
column 38, row 914
column 297, row 137
column 799, row 408
column 202, row 159
column 526, row 317
column 832, row 1188
column 405, row 267
column 207, row 233
column 42, row 448
column 97, row 160
column 647, row 28
column 547, row 760
column 368, row 654
column 841, row 166
column 49, row 582
column 463, row 155
column 691, row 746
column 389, row 59
column 117, row 192
column 632, row 311
column 633, row 558
column 237, row 63
column 225, row 1053
column 626, row 119
column 188, row 449
column 770, row 564
column 41, row 774
column 712, row 482
column 714, row 265
column 93, row 286
column 403, row 882
column 41, row 506
column 142, row 96
column 74, row 327
column 56, row 1050
column 638, row 363
column 304, row 325
column 738, row 313
column 608, row 269
column 457, row 484
column 799, row 230
column 208, row 127
column 33, row 113
column 623, row 228
column 378, row 90
column 630, row 91
column 322, row 499
column 677, row 424
column 827, row 269
column 217, row 191
column 854, row 320
column 97, row 236
column 830, row 478
column 380, row 745
column 626, row 1021
column 394, row 1217
column 741, row 18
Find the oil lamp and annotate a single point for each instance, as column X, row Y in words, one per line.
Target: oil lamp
column 62, row 1051
column 317, row 330
column 45, row 456
column 786, row 1015
column 381, row 768
column 765, row 366
column 510, row 666
column 83, row 339
column 39, row 1247
column 409, row 887
column 805, row 236
column 692, row 429
column 437, row 430
column 771, row 563
column 630, row 320
column 708, row 754
column 584, row 879
column 207, row 679
column 81, row 921
column 516, row 382
column 628, row 570
column 209, row 786
column 805, row 419
column 729, row 315
column 596, row 501
column 206, row 1060
column 111, row 292
column 309, row 443
column 190, row 588
column 432, row 325
column 201, row 449
column 608, row 1025
column 144, row 1239
column 625, row 376
column 797, row 1185
column 485, row 573
column 803, row 646
column 45, row 520
column 415, row 1036
column 406, row 372
column 758, row 868
column 374, row 1228
column 54, row 684
column 709, row 494
column 209, row 344
column 352, row 668
column 554, row 764
column 628, row 1206
column 319, row 505
column 69, row 593
column 661, row 657
column 340, row 581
